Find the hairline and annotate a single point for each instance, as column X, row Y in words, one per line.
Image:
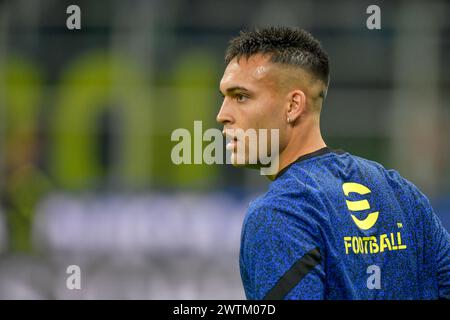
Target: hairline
column 284, row 65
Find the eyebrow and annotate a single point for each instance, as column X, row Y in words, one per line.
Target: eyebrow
column 234, row 89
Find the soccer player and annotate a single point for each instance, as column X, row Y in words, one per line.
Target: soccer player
column 332, row 225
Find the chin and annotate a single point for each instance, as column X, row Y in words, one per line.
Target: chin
column 241, row 161
column 237, row 160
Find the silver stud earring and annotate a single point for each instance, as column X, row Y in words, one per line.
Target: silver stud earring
column 288, row 120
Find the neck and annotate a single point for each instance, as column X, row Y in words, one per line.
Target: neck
column 305, row 139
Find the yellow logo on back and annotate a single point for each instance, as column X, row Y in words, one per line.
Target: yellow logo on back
column 360, row 205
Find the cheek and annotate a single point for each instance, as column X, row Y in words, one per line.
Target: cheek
column 272, row 116
column 273, row 120
column 263, row 113
column 277, row 121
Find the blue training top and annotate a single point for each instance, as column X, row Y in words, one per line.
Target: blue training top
column 337, row 226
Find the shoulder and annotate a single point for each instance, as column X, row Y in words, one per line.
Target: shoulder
column 392, row 176
column 406, row 192
column 290, row 196
column 288, row 211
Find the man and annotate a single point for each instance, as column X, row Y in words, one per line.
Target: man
column 332, row 225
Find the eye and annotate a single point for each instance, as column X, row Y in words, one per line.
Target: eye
column 240, row 97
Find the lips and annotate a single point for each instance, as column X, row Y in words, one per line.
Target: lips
column 232, row 140
column 232, row 144
column 228, row 134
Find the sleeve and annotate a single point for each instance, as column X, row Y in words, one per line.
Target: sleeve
column 442, row 244
column 281, row 255
column 439, row 246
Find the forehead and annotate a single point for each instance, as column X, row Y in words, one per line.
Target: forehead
column 256, row 70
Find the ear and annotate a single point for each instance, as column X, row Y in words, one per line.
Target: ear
column 297, row 105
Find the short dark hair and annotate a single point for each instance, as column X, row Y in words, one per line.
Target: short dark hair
column 290, row 46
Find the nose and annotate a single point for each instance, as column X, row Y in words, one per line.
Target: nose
column 224, row 115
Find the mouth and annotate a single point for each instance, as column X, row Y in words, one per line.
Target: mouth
column 232, row 140
column 232, row 144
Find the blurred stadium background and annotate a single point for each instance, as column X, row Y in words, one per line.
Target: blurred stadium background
column 86, row 118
